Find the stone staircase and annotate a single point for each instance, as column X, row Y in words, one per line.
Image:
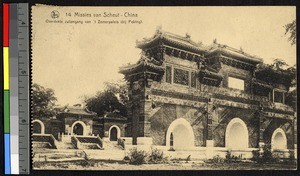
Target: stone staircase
column 111, row 145
column 65, row 143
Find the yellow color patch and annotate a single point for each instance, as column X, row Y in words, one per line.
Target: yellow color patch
column 6, row 67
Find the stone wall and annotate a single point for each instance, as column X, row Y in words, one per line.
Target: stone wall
column 271, row 124
column 227, row 71
column 70, row 119
column 53, row 126
column 167, row 113
column 108, row 124
column 225, row 115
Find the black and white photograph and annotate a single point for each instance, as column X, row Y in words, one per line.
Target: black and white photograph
column 163, row 88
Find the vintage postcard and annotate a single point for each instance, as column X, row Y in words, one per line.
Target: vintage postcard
column 163, row 88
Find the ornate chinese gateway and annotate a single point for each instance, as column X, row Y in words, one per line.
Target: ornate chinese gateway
column 184, row 95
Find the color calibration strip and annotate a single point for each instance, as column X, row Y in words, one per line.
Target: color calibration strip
column 6, row 89
column 23, row 88
column 16, row 88
column 13, row 87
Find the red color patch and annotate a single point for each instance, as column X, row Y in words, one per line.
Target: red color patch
column 5, row 25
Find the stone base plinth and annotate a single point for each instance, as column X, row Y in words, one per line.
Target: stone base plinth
column 144, row 141
column 127, row 140
column 209, row 143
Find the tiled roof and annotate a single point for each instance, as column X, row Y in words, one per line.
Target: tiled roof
column 172, row 38
column 143, row 61
column 77, row 110
column 188, row 43
column 227, row 50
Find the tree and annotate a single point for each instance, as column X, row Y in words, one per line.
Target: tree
column 290, row 28
column 112, row 99
column 292, row 95
column 43, row 101
column 279, row 65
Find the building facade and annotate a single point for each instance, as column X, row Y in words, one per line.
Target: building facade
column 79, row 121
column 184, row 95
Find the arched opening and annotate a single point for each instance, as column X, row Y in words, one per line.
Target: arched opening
column 55, row 132
column 114, row 133
column 236, row 136
column 171, row 141
column 279, row 141
column 38, row 127
column 180, row 134
column 79, row 128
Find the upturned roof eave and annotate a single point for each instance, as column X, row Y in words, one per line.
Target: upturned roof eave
column 241, row 56
column 143, row 64
column 150, row 42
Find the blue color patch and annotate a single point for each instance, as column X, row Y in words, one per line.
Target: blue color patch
column 7, row 153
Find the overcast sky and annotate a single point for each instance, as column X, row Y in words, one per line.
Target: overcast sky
column 76, row 59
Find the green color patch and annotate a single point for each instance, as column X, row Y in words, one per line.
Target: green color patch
column 6, row 112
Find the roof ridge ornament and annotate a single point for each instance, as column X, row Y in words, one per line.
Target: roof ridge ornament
column 215, row 40
column 188, row 36
column 159, row 29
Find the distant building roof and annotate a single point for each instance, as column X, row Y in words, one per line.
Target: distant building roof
column 77, row 109
column 112, row 116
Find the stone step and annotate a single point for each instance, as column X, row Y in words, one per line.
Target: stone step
column 64, row 145
column 111, row 145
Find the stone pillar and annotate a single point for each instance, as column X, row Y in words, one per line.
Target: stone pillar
column 145, row 108
column 138, row 109
column 261, row 142
column 209, row 136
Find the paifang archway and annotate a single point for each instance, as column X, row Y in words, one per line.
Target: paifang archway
column 180, row 134
column 236, row 136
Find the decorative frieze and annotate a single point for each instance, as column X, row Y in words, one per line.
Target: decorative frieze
column 193, row 79
column 178, row 95
column 181, row 76
column 177, row 101
column 168, row 74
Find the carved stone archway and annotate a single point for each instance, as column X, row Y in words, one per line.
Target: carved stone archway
column 279, row 140
column 83, row 125
column 114, row 133
column 236, row 136
column 180, row 134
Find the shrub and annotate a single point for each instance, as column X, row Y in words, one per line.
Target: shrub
column 126, row 158
column 121, row 143
column 267, row 153
column 292, row 158
column 156, row 156
column 256, row 156
column 171, row 149
column 85, row 156
column 188, row 158
column 228, row 156
column 137, row 157
column 266, row 157
column 38, row 164
column 217, row 159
